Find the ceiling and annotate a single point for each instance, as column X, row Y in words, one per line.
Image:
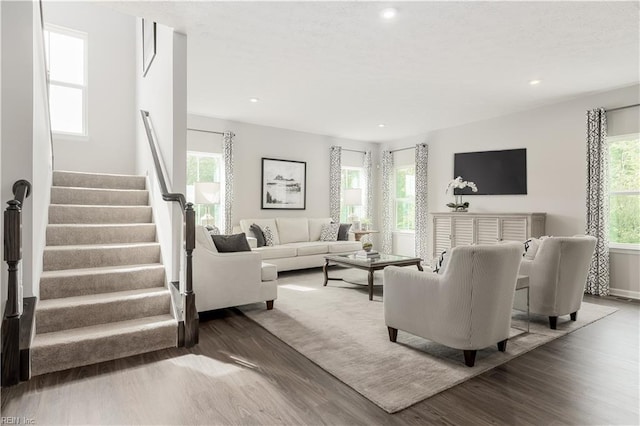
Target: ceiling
column 339, row 69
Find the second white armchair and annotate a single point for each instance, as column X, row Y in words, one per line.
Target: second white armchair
column 467, row 307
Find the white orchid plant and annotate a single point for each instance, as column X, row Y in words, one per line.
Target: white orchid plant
column 458, row 183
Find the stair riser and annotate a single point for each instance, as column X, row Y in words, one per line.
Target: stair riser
column 86, row 352
column 100, row 197
column 88, row 180
column 77, row 235
column 57, row 259
column 49, row 320
column 82, row 285
column 61, row 214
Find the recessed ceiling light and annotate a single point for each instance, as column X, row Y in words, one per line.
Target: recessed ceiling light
column 381, row 125
column 389, row 13
column 254, row 100
column 534, row 82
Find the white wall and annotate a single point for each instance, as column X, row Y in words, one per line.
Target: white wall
column 163, row 93
column 110, row 147
column 25, row 148
column 253, row 142
column 554, row 137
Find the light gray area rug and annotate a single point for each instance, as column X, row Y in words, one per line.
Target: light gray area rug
column 338, row 328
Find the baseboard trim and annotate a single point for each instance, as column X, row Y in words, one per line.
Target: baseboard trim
column 625, row 293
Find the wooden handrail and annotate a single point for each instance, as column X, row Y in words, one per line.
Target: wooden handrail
column 13, row 255
column 190, row 320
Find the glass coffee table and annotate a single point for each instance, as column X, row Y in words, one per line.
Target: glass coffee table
column 370, row 265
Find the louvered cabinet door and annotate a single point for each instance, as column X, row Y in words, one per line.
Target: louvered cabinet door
column 513, row 229
column 441, row 234
column 462, row 231
column 487, row 230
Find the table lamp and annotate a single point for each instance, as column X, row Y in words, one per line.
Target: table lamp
column 353, row 198
column 207, row 193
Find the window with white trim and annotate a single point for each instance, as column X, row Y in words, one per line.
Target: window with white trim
column 405, row 198
column 624, row 193
column 205, row 167
column 66, row 56
column 351, row 178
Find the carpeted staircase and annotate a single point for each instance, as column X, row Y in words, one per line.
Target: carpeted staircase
column 102, row 292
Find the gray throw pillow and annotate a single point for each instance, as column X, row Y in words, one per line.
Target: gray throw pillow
column 257, row 232
column 343, row 232
column 231, row 243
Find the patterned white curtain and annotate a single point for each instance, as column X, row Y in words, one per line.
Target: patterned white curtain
column 422, row 213
column 368, row 188
column 598, row 200
column 227, row 153
column 335, row 174
column 387, row 202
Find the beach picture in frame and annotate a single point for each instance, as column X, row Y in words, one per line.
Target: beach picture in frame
column 148, row 44
column 284, row 184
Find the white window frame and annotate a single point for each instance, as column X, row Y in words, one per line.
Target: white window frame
column 396, row 199
column 622, row 247
column 219, row 222
column 84, row 87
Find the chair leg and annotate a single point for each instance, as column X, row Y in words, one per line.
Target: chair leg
column 502, row 346
column 393, row 333
column 553, row 322
column 269, row 305
column 574, row 316
column 469, row 358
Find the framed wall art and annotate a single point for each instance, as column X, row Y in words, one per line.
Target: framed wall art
column 284, row 184
column 148, row 44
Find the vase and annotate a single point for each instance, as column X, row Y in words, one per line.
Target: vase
column 458, row 205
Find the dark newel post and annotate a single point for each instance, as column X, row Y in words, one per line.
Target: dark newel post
column 11, row 322
column 191, row 321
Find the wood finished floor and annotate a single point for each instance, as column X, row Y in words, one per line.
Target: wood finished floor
column 241, row 374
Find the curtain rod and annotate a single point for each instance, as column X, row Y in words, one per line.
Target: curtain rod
column 405, row 149
column 622, row 107
column 205, row 131
column 353, row 150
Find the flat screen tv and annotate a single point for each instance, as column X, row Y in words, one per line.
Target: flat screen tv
column 494, row 172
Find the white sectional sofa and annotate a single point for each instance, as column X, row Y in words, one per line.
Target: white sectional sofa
column 297, row 242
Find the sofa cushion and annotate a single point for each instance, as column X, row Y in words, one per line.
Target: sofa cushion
column 329, row 232
column 269, row 272
column 231, row 243
column 245, row 225
column 315, row 227
column 268, row 236
column 310, row 247
column 344, row 246
column 258, row 235
column 276, row 252
column 203, row 239
column 293, row 230
column 343, row 232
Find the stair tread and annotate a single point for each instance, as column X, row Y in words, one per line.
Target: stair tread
column 101, row 331
column 100, row 270
column 98, row 298
column 88, row 188
column 98, row 174
column 101, row 206
column 101, row 225
column 101, row 246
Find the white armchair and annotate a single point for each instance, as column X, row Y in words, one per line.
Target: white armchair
column 222, row 280
column 467, row 307
column 557, row 276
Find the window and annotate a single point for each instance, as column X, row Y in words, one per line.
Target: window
column 624, row 173
column 405, row 198
column 66, row 56
column 352, row 177
column 205, row 167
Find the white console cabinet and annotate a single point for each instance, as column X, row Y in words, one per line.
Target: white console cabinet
column 454, row 229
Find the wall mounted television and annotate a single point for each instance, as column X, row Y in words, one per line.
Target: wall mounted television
column 494, row 172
